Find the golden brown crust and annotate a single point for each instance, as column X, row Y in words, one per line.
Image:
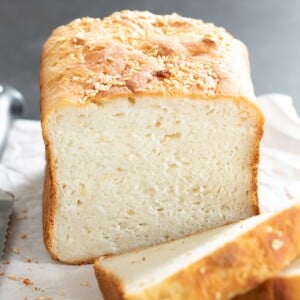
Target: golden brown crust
column 235, row 268
column 276, row 288
column 256, row 160
column 110, row 286
column 135, row 53
column 49, row 208
column 47, row 220
column 49, row 198
column 139, row 53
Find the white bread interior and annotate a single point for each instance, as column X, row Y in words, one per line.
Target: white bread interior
column 217, row 264
column 138, row 172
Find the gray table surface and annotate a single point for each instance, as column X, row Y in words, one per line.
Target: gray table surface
column 270, row 29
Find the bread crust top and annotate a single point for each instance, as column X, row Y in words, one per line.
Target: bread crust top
column 138, row 53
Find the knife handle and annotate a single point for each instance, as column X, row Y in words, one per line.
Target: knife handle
column 11, row 106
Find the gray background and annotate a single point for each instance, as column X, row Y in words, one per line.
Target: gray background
column 270, row 28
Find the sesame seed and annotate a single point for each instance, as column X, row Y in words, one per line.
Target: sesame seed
column 277, row 244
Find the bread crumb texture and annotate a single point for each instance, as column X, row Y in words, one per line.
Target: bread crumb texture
column 132, row 52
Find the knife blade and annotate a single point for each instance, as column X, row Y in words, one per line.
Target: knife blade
column 11, row 106
column 6, row 206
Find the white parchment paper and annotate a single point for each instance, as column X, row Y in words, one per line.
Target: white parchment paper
column 27, row 271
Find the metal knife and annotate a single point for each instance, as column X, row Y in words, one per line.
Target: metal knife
column 11, row 106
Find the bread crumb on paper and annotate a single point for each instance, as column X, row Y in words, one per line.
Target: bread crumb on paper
column 84, row 283
column 12, row 277
column 27, row 281
column 16, row 250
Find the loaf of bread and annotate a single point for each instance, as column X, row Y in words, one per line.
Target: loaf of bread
column 216, row 264
column 284, row 285
column 151, row 133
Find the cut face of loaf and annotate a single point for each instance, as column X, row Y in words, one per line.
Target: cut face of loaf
column 151, row 133
column 216, row 264
column 133, row 174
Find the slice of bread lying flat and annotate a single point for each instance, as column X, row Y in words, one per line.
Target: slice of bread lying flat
column 151, row 133
column 282, row 286
column 217, row 264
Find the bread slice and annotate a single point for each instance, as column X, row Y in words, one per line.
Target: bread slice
column 285, row 285
column 216, row 264
column 151, row 133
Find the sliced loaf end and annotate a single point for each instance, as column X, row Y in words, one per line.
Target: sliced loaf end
column 217, row 264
